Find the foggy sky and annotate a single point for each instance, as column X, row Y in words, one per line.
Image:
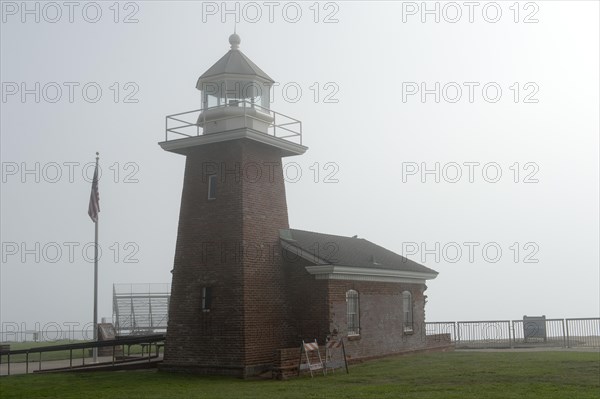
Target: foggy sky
column 353, row 73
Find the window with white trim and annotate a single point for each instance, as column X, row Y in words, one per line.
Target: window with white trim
column 407, row 304
column 353, row 312
column 212, row 187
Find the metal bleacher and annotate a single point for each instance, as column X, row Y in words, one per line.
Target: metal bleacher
column 140, row 309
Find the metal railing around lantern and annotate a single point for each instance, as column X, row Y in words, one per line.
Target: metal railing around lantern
column 190, row 123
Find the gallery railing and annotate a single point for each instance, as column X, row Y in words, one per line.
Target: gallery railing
column 191, row 123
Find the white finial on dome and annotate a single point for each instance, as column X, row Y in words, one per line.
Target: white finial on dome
column 235, row 41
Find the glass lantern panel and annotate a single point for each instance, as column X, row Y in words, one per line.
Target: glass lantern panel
column 236, row 93
column 214, row 94
column 212, row 101
column 266, row 97
column 247, row 91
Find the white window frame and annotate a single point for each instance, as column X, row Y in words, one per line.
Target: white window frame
column 408, row 312
column 353, row 312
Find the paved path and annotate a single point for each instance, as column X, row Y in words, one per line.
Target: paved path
column 21, row 368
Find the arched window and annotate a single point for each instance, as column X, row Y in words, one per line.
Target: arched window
column 407, row 304
column 353, row 313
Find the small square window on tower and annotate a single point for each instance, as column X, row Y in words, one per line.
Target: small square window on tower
column 206, row 299
column 212, row 187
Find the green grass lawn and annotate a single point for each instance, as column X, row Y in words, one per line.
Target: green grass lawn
column 438, row 375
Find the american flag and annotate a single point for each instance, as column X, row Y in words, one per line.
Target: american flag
column 94, row 206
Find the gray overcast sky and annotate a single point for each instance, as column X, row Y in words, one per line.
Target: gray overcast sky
column 516, row 98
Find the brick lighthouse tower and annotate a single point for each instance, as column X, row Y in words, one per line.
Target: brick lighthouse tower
column 227, row 307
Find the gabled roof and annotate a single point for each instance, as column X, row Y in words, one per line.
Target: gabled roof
column 234, row 62
column 348, row 252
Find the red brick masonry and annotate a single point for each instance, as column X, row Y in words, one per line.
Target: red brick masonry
column 286, row 360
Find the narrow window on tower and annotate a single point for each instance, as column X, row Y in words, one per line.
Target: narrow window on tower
column 212, row 187
column 206, row 299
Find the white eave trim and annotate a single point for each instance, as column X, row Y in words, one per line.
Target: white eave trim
column 234, row 76
column 335, row 272
column 180, row 145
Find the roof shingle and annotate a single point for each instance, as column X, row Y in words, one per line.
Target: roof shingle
column 234, row 62
column 349, row 251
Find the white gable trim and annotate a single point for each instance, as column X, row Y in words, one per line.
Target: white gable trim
column 334, row 272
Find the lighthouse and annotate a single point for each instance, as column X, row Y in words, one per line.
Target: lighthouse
column 227, row 305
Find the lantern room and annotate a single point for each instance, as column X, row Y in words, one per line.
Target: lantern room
column 235, row 100
column 235, row 93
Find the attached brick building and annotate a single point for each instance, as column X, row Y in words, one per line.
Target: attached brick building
column 245, row 285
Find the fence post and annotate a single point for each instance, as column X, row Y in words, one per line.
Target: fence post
column 563, row 333
column 511, row 333
column 568, row 339
column 458, row 332
column 454, row 328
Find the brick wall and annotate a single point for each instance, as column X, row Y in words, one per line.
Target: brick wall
column 228, row 244
column 308, row 314
column 318, row 309
column 287, row 359
column 381, row 317
column 231, row 244
column 264, row 213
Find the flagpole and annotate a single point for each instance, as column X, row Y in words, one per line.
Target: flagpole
column 95, row 350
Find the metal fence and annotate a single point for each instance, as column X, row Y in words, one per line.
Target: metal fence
column 565, row 333
column 47, row 335
column 73, row 356
column 140, row 308
column 583, row 332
